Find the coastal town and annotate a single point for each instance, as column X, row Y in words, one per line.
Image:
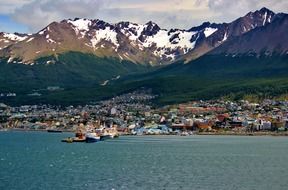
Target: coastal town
column 134, row 114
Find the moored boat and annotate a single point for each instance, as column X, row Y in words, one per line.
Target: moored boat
column 184, row 133
column 92, row 137
column 54, row 131
column 109, row 133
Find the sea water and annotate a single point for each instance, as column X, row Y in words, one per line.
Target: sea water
column 39, row 160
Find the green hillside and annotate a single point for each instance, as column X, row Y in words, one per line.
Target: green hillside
column 214, row 76
column 70, row 70
column 209, row 77
column 78, row 75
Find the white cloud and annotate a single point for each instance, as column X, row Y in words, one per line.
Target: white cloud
column 9, row 6
column 227, row 10
column 38, row 13
column 167, row 13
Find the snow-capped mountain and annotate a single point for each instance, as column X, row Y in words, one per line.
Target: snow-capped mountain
column 227, row 31
column 139, row 43
column 268, row 41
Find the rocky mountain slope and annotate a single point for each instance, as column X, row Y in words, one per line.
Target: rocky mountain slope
column 143, row 44
column 227, row 31
column 268, row 41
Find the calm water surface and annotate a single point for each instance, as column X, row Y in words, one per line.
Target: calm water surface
column 38, row 160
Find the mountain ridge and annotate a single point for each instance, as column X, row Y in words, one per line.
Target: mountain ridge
column 138, row 43
column 264, row 40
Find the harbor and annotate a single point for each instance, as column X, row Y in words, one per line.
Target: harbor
column 135, row 114
column 92, row 134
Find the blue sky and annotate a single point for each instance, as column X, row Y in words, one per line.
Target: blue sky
column 33, row 15
column 9, row 25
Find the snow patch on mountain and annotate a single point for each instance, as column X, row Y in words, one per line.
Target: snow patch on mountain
column 42, row 32
column 107, row 34
column 133, row 31
column 50, row 41
column 167, row 43
column 225, row 37
column 265, row 18
column 162, row 40
column 14, row 37
column 80, row 25
column 209, row 31
column 30, row 39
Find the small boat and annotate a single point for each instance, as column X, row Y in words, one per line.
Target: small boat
column 54, row 131
column 68, row 140
column 184, row 133
column 76, row 139
column 92, row 137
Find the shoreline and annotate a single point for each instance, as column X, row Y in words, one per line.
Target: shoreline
column 227, row 133
column 32, row 130
column 230, row 133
